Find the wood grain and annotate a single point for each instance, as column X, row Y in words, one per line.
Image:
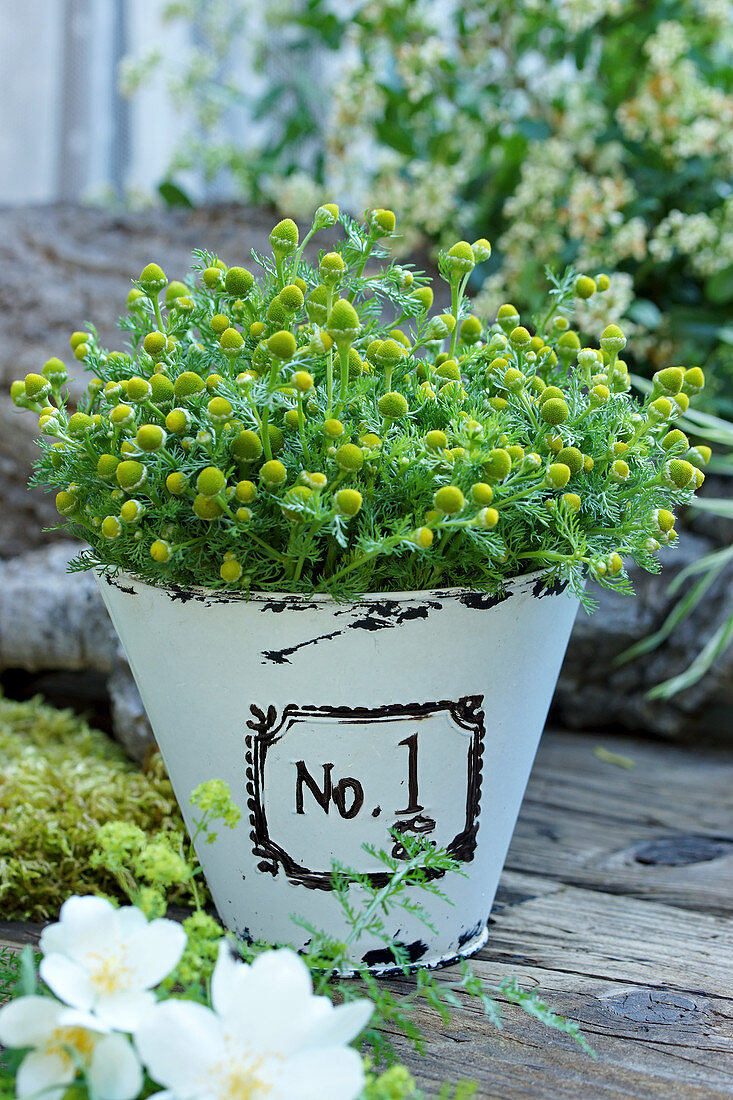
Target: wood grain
column 616, row 905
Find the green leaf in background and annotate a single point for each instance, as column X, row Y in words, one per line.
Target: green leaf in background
column 173, row 195
column 615, row 758
column 719, row 287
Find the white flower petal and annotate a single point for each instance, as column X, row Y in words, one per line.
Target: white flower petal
column 335, row 1072
column 130, row 919
column 125, row 1010
column 86, row 924
column 115, row 1073
column 28, row 1021
column 38, row 1072
column 270, row 1004
column 342, row 1025
column 69, row 981
column 225, row 978
column 153, row 951
column 178, row 1041
column 74, row 1017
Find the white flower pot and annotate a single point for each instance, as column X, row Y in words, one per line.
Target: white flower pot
column 334, row 723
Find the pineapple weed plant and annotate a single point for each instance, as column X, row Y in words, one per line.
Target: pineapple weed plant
column 324, row 429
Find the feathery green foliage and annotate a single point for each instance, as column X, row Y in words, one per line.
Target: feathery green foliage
column 317, row 429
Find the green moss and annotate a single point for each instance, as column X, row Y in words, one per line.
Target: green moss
column 59, row 782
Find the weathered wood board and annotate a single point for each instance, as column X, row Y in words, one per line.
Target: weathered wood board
column 617, row 906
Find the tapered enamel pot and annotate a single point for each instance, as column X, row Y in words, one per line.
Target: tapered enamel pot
column 340, row 725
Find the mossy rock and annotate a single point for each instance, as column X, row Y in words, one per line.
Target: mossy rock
column 60, row 781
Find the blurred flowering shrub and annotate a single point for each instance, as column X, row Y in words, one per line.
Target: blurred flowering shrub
column 596, row 131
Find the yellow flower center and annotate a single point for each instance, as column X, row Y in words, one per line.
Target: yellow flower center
column 108, row 973
column 240, row 1077
column 65, row 1040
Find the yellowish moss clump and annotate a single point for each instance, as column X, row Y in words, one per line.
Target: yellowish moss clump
column 60, row 781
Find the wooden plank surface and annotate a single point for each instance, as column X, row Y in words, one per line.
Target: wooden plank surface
column 617, row 906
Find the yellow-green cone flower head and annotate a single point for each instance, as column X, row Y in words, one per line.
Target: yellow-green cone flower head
column 230, row 571
column 302, row 380
column 423, row 538
column 220, row 410
column 382, row 222
column 514, row 380
column 138, row 389
column 247, row 447
column 331, row 268
column 188, row 384
column 132, row 511
column 219, row 323
column 206, row 508
column 316, row 305
column 245, row 491
column 694, row 381
column 557, row 475
column 482, row 493
column 284, row 237
column 348, row 502
column 36, row 387
column 326, row 216
column 273, row 473
column 66, row 503
column 487, row 518
column 111, row 527
column 676, row 439
column 150, row 437
column 161, row 388
column 507, row 317
column 291, row 297
column 699, row 455
column 449, row 499
column 669, row 381
column 436, row 440
column 585, row 287
column 554, row 411
column 154, row 343
column 460, row 261
column 664, row 520
column 572, row 457
column 392, row 406
column 178, row 421
column 519, row 337
column 498, row 464
column 568, row 346
column 679, row 473
column 293, row 501
column 602, row 282
column 55, row 370
column 481, row 250
column 349, row 457
column 176, row 483
column 571, row 501
column 79, row 424
column 620, row 471
column 210, row 482
column 238, row 282
column 343, row 323
column 449, row 369
column 161, row 551
column 470, row 330
column 282, row 344
column 424, row 297
column 152, row 280
column 175, row 291
column 613, row 340
column 231, row 342
column 107, row 466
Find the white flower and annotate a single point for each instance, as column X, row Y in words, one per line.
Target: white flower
column 267, row 1038
column 62, row 1041
column 106, row 960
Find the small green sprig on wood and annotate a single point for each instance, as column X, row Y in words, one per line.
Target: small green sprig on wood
column 320, row 427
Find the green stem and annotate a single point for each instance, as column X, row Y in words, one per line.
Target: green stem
column 158, row 314
column 299, row 253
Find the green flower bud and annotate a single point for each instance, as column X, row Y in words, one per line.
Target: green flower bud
column 519, row 337
column 669, row 381
column 585, row 287
column 154, row 343
column 508, row 318
column 422, row 538
column 675, row 438
column 460, row 261
column 79, row 424
column 206, row 508
column 131, row 475
column 333, row 428
column 348, row 501
column 343, row 323
column 568, row 345
column 487, row 518
column 77, row 338
column 572, row 457
column 516, row 453
column 282, row 344
column 273, row 473
column 212, row 277
column 231, row 342
column 107, row 466
column 247, row 447
column 210, row 482
column 111, row 527
column 449, row 499
column 436, row 440
column 599, row 395
column 175, row 290
column 135, row 300
column 55, row 371
column 138, row 389
column 679, row 473
column 620, row 471
column 557, row 475
column 302, row 381
column 554, row 411
column 245, row 491
column 699, row 455
column 613, row 340
column 449, row 369
column 514, row 380
column 614, row 563
column 381, row 222
column 219, row 323
column 470, row 330
column 481, row 250
column 326, row 216
column 219, row 410
column 498, row 464
column 66, row 503
column 316, row 305
column 230, row 570
column 36, row 387
column 331, row 268
column 603, row 282
column 150, row 437
column 571, row 500
column 699, row 479
column 392, row 406
column 660, row 410
column 178, row 421
column 176, row 483
column 682, row 401
column 131, row 511
column 481, row 493
column 238, row 282
column 284, row 237
column 188, row 384
column 152, row 280
column 294, row 496
column 161, row 389
column 350, row 457
column 161, row 551
column 694, row 381
column 424, row 297
column 291, row 297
